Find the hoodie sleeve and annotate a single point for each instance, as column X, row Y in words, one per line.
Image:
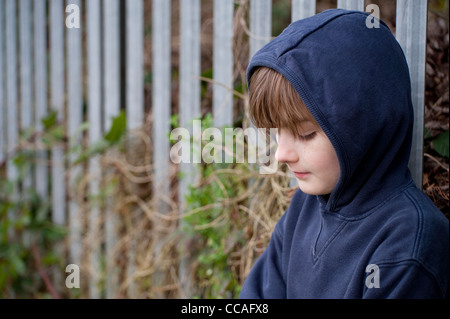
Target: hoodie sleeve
column 265, row 280
column 404, row 280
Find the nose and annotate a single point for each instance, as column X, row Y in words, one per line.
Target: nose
column 285, row 152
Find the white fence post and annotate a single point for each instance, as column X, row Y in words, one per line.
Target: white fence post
column 40, row 87
column 260, row 24
column 94, row 95
column 189, row 103
column 134, row 46
column 2, row 82
column 161, row 107
column 351, row 4
column 411, row 33
column 11, row 84
column 57, row 103
column 12, row 121
column 161, row 15
column 26, row 81
column 57, row 84
column 135, row 111
column 223, row 63
column 74, row 120
column 111, row 93
column 302, row 9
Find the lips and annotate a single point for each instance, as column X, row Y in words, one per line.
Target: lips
column 301, row 174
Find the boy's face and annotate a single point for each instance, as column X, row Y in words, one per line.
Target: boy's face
column 311, row 157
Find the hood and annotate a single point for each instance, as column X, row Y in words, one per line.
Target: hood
column 355, row 82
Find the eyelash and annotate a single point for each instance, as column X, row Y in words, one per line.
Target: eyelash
column 307, row 137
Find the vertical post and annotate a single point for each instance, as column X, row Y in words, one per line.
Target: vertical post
column 26, row 109
column 411, row 32
column 111, row 94
column 161, row 97
column 40, row 88
column 223, row 63
column 302, row 9
column 11, row 103
column 134, row 46
column 351, row 4
column 189, row 104
column 26, row 66
column 94, row 94
column 135, row 112
column 57, row 103
column 74, row 120
column 161, row 90
column 189, row 81
column 260, row 24
column 2, row 82
column 11, row 85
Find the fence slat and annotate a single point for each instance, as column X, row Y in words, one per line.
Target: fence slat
column 260, row 24
column 2, row 82
column 11, row 84
column 134, row 108
column 57, row 84
column 135, row 84
column 189, row 83
column 111, row 94
column 223, row 63
column 40, row 88
column 93, row 29
column 161, row 96
column 25, row 69
column 351, row 4
column 411, row 32
column 189, row 103
column 74, row 120
column 302, row 9
column 57, row 97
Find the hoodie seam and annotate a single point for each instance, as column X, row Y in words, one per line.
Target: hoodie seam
column 419, row 226
column 306, row 35
column 390, row 263
column 328, row 242
column 398, row 192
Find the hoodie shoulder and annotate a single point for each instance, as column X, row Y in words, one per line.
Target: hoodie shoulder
column 414, row 233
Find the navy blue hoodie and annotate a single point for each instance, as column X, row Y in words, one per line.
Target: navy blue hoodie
column 376, row 235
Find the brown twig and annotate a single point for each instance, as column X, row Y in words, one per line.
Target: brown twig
column 445, row 167
column 45, row 278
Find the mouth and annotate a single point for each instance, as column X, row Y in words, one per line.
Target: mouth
column 301, row 174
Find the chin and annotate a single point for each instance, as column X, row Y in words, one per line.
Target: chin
column 311, row 190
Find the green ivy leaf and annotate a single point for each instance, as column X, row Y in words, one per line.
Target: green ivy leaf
column 17, row 264
column 118, row 128
column 440, row 144
column 49, row 120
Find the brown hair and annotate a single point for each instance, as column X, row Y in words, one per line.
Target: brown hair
column 274, row 103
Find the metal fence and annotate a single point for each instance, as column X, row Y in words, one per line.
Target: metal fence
column 42, row 58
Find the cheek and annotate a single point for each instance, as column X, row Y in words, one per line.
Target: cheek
column 323, row 158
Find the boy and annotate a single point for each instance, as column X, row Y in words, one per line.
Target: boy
column 358, row 227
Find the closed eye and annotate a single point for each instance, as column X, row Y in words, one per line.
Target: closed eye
column 308, row 137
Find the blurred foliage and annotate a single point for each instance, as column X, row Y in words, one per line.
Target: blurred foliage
column 28, row 236
column 27, row 233
column 218, row 230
